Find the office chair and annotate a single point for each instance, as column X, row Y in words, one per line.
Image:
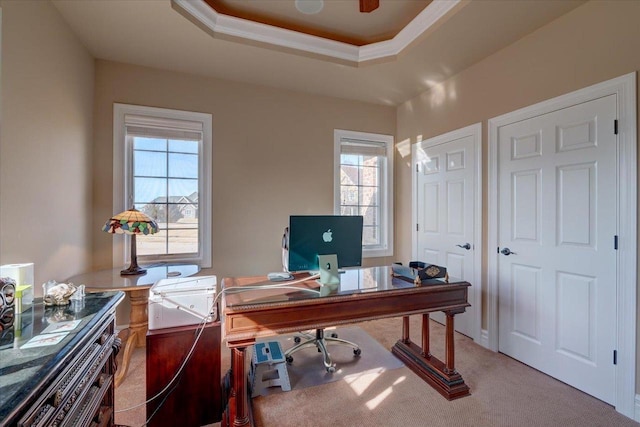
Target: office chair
column 320, row 341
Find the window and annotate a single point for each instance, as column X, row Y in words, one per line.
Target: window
column 364, row 186
column 162, row 167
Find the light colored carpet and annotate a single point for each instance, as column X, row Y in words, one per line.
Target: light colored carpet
column 504, row 392
column 130, row 395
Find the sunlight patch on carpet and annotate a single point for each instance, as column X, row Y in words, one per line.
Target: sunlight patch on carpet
column 373, row 403
column 360, row 382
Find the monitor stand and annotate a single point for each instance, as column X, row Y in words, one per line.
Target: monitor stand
column 329, row 275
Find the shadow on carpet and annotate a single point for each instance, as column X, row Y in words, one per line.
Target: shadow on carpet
column 307, row 369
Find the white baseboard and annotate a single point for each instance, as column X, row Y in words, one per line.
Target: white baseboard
column 484, row 341
column 637, row 409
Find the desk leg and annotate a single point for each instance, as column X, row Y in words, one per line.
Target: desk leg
column 240, row 387
column 138, row 326
column 405, row 329
column 121, row 372
column 139, row 322
column 425, row 336
column 449, row 346
column 443, row 377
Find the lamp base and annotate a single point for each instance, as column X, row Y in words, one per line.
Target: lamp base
column 133, row 270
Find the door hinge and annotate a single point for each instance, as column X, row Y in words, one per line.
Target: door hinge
column 615, row 242
column 615, row 126
column 417, row 227
column 615, row 357
column 418, row 167
column 498, row 250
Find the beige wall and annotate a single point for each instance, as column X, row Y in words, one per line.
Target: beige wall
column 45, row 142
column 272, row 156
column 593, row 43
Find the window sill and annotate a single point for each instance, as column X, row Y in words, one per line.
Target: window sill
column 376, row 253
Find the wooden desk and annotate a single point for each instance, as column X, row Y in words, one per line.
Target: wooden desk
column 364, row 294
column 138, row 289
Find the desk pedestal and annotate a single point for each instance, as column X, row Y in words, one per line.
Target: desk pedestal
column 138, row 326
column 441, row 376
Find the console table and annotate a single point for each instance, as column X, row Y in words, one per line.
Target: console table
column 67, row 383
column 137, row 286
column 363, row 294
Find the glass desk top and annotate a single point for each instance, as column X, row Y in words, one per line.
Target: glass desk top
column 257, row 290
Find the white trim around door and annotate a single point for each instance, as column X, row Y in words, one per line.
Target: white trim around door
column 624, row 88
column 417, row 156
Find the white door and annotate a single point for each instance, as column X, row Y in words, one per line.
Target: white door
column 448, row 213
column 556, row 234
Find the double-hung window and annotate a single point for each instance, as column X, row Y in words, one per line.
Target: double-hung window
column 363, row 185
column 162, row 167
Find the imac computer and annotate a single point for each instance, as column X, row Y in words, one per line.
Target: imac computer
column 324, row 243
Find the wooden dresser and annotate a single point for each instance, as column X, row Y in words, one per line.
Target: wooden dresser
column 67, row 380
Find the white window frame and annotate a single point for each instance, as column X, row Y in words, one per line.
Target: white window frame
column 123, row 173
column 386, row 196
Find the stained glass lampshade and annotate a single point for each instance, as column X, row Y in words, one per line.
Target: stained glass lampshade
column 132, row 222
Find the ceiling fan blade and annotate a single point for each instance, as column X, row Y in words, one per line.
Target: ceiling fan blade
column 367, row 6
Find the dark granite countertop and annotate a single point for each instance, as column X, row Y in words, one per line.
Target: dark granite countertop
column 25, row 371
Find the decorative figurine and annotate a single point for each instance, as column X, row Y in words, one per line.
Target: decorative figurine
column 58, row 293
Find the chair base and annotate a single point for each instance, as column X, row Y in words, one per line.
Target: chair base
column 320, row 341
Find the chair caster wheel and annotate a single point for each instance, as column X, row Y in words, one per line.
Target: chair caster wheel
column 331, row 369
column 357, row 351
column 334, row 335
column 297, row 340
column 289, row 359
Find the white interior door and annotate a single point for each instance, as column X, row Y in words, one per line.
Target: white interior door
column 447, row 190
column 556, row 230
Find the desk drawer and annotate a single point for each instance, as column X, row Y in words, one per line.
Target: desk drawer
column 76, row 397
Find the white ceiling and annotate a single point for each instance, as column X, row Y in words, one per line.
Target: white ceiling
column 151, row 33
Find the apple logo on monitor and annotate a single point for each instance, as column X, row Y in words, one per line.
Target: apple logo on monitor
column 327, row 236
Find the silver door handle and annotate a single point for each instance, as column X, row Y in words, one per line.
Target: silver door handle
column 466, row 246
column 507, row 252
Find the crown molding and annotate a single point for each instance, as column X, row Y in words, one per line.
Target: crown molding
column 229, row 27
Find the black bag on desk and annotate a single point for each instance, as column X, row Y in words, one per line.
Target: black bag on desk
column 428, row 271
column 419, row 271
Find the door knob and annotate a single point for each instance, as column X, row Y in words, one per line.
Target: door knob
column 507, row 252
column 466, row 246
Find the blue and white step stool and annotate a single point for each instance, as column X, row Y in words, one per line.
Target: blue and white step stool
column 268, row 368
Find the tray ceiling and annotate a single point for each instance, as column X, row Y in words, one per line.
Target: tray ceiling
column 337, row 31
column 335, row 20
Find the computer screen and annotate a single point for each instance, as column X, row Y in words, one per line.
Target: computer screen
column 313, row 235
